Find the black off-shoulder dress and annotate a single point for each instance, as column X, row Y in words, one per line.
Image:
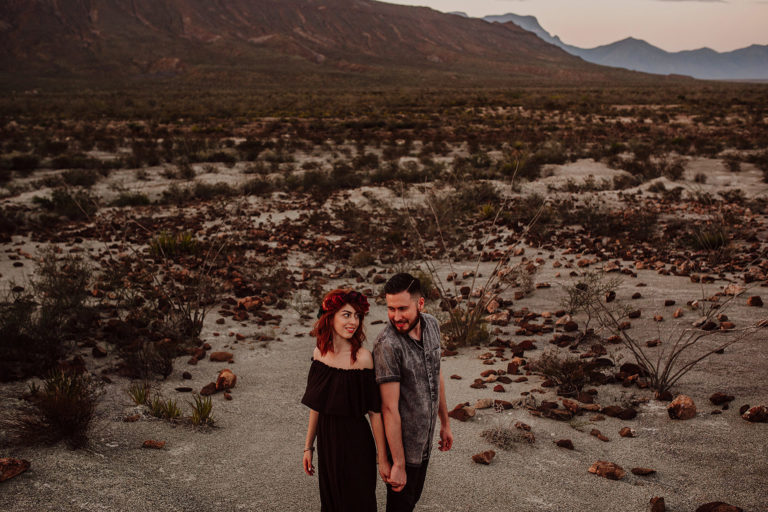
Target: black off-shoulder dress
column 346, row 451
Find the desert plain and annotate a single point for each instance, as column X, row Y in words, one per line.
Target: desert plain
column 189, row 237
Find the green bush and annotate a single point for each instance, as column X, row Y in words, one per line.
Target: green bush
column 131, row 199
column 170, row 245
column 75, row 205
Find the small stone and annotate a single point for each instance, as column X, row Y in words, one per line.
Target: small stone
column 186, row 375
column 226, row 380
column 663, row 396
column 522, row 426
column 682, row 408
column 10, row 468
column 627, row 432
column 669, row 302
column 462, row 412
column 721, row 398
column 658, row 505
column 677, row 314
column 221, row 357
column 484, row 457
column 132, row 418
column 642, row 471
column 456, row 377
column 498, row 388
column 184, row 389
column 757, row 414
column 155, row 445
column 208, row 389
column 607, row 470
column 227, row 396
column 718, row 506
column 565, row 443
column 599, row 435
column 755, row 301
column 504, row 404
column 634, row 314
column 483, row 403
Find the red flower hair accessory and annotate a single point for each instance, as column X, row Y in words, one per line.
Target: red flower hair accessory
column 336, row 301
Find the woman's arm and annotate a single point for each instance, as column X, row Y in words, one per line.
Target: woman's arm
column 381, row 445
column 309, row 443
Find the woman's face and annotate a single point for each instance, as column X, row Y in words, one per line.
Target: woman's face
column 346, row 322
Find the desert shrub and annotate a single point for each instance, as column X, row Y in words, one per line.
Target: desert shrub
column 11, row 221
column 201, row 410
column 569, row 373
column 74, row 205
column 176, row 195
column 61, row 411
column 257, row 187
column 164, row 409
column 468, row 197
column 700, row 177
column 131, row 199
column 362, row 258
column 366, row 161
column 657, row 187
column 170, row 245
column 185, row 171
column 85, row 178
column 24, row 163
column 208, row 191
column 76, row 161
column 732, row 163
column 507, row 437
column 623, row 181
column 139, row 393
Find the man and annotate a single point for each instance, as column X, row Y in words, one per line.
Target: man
column 407, row 362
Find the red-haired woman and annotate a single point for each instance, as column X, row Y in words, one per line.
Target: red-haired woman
column 341, row 390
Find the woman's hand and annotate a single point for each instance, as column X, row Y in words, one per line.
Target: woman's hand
column 307, row 461
column 384, row 469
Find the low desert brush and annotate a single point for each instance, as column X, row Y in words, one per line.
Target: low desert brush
column 201, row 410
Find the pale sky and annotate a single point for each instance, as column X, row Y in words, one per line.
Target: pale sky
column 672, row 25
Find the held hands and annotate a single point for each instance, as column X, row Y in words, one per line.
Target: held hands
column 384, row 469
column 446, row 438
column 397, row 478
column 307, row 462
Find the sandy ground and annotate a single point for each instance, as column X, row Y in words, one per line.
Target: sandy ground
column 251, row 460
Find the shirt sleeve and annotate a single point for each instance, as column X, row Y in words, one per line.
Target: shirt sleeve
column 386, row 362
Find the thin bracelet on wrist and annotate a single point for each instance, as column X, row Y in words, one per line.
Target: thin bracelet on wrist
column 310, row 449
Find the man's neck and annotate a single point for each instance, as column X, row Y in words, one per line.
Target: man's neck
column 415, row 333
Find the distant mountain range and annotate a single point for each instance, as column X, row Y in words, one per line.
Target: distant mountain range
column 638, row 55
column 278, row 42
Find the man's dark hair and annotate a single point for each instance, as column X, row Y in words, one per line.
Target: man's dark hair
column 403, row 282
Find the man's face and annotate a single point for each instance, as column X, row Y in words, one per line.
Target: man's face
column 403, row 310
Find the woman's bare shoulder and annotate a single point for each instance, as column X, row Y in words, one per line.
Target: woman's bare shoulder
column 316, row 355
column 364, row 358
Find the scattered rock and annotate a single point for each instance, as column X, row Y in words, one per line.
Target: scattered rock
column 643, row 471
column 462, row 412
column 607, row 470
column 221, row 357
column 664, row 396
column 226, row 380
column 208, row 389
column 456, row 377
column 186, row 375
column 155, row 445
column 599, row 435
column 627, row 432
column 721, row 398
column 227, row 396
column 483, row 403
column 498, row 388
column 718, row 506
column 757, row 414
column 565, row 443
column 184, row 389
column 484, row 458
column 132, row 418
column 682, row 408
column 755, row 301
column 10, row 468
column 658, row 505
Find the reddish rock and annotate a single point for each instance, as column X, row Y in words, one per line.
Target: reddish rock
column 682, row 408
column 484, row 458
column 186, row 375
column 504, row 380
column 522, row 426
column 456, row 377
column 226, row 380
column 221, row 357
column 627, row 414
column 585, row 398
column 462, row 412
column 502, row 404
column 721, row 398
column 155, row 445
column 718, row 506
column 571, row 406
column 757, row 414
column 658, row 505
column 227, row 396
column 10, row 468
column 755, row 301
column 607, row 470
column 565, row 443
column 663, row 396
column 208, row 389
column 612, row 410
column 132, row 418
column 634, row 314
column 571, row 326
column 653, row 343
column 627, row 432
column 677, row 314
column 521, row 379
column 599, row 435
column 183, row 389
column 498, row 388
column 478, row 385
column 642, row 471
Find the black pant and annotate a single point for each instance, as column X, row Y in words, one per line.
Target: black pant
column 405, row 500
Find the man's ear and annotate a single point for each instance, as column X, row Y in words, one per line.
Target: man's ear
column 420, row 304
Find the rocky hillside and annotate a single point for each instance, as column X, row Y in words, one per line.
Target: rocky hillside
column 271, row 40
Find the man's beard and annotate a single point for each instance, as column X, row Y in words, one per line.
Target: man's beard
column 410, row 326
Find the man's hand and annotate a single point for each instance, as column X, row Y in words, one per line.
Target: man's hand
column 397, row 478
column 446, row 438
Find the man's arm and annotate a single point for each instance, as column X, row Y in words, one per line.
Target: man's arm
column 446, row 436
column 390, row 412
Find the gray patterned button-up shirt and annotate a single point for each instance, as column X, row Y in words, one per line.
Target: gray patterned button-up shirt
column 416, row 366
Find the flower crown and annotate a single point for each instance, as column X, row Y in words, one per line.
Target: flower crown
column 336, row 301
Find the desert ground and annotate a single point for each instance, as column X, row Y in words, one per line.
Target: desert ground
column 679, row 237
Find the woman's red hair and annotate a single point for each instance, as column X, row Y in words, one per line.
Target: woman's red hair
column 333, row 302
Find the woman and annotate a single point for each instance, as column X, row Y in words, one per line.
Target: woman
column 341, row 389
